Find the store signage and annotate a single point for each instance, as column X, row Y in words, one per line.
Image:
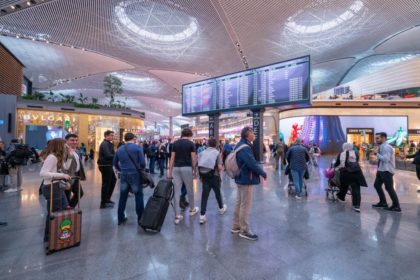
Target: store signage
column 133, row 130
column 359, row 130
column 33, row 117
column 414, row 131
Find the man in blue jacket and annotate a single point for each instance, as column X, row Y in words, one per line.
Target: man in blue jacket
column 249, row 176
column 128, row 159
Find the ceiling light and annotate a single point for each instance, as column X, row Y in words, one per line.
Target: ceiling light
column 13, row 7
column 28, row 3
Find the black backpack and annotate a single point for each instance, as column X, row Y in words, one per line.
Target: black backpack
column 20, row 155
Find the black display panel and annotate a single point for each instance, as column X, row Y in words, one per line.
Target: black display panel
column 283, row 83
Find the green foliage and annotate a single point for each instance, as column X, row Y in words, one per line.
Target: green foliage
column 35, row 96
column 94, row 100
column 67, row 98
column 112, row 87
column 89, row 105
column 82, row 99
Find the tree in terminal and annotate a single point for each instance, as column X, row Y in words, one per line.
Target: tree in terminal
column 112, row 87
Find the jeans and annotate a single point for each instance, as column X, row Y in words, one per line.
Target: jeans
column 15, row 177
column 242, row 207
column 127, row 181
column 59, row 202
column 73, row 200
column 210, row 183
column 386, row 178
column 297, row 176
column 161, row 163
column 152, row 164
column 279, row 160
column 183, row 175
column 108, row 183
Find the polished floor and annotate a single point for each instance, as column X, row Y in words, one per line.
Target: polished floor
column 308, row 239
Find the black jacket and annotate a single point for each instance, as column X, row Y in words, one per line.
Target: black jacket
column 348, row 178
column 106, row 153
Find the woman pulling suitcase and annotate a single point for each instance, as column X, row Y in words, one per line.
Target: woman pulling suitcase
column 51, row 170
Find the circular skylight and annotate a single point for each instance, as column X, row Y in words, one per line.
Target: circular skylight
column 318, row 19
column 156, row 28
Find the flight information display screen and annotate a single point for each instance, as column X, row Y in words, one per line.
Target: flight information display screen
column 235, row 91
column 283, row 83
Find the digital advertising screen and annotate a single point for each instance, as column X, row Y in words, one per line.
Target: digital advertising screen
column 279, row 84
column 331, row 132
column 38, row 135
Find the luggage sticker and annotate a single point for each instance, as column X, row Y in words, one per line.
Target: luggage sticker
column 65, row 230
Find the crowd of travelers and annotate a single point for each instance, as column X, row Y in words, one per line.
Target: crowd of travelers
column 183, row 161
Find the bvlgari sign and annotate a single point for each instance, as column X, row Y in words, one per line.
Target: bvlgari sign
column 57, row 118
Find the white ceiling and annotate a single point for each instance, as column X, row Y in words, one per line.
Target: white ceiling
column 157, row 45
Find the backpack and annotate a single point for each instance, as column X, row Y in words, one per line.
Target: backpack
column 150, row 152
column 280, row 148
column 20, row 155
column 231, row 165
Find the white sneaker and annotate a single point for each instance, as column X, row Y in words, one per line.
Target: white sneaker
column 11, row 190
column 194, row 211
column 223, row 210
column 203, row 219
column 178, row 219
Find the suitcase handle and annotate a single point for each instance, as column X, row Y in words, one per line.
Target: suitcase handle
column 53, row 180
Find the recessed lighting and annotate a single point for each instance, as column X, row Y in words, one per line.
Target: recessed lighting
column 13, row 7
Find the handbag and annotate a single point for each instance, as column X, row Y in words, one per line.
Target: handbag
column 146, row 178
column 4, row 168
column 351, row 167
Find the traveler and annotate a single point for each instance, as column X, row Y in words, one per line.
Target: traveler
column 128, row 160
column 168, row 149
column 83, row 152
column 250, row 172
column 314, row 153
column 160, row 157
column 210, row 166
column 183, row 169
column 75, row 169
column 279, row 151
column 105, row 158
column 385, row 173
column 351, row 174
column 416, row 161
column 151, row 155
column 53, row 167
column 4, row 168
column 297, row 157
column 16, row 156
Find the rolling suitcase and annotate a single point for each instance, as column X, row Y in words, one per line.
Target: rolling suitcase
column 157, row 206
column 65, row 225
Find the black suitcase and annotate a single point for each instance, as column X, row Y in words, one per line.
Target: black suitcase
column 157, row 206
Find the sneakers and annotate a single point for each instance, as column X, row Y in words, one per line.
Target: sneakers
column 235, row 230
column 341, row 200
column 11, row 190
column 380, row 205
column 178, row 219
column 356, row 208
column 194, row 211
column 393, row 209
column 298, row 197
column 223, row 210
column 203, row 219
column 122, row 221
column 106, row 205
column 248, row 236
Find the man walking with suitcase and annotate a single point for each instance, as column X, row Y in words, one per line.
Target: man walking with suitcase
column 128, row 160
column 106, row 155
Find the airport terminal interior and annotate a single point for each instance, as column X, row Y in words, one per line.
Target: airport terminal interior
column 210, row 139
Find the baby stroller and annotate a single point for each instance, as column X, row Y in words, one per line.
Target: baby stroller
column 291, row 187
column 333, row 184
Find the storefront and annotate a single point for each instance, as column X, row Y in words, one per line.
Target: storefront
column 360, row 136
column 37, row 126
